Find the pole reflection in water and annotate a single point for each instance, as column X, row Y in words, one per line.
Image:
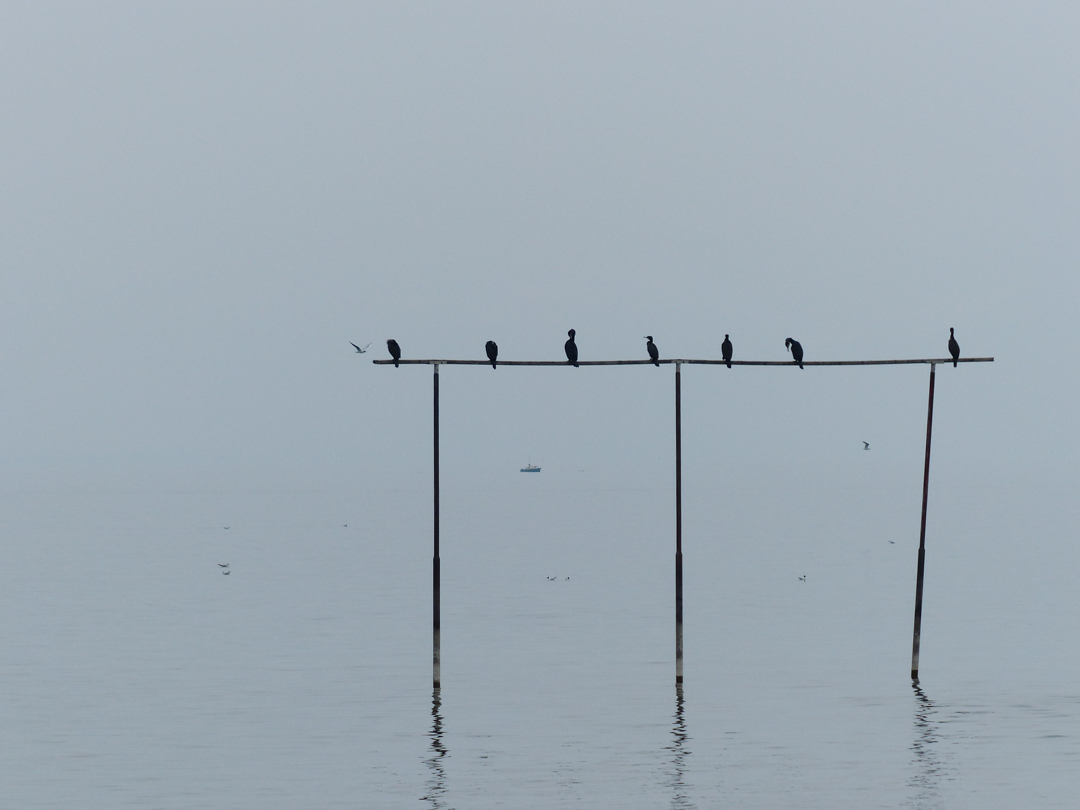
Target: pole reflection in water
column 928, row 766
column 436, row 785
column 678, row 754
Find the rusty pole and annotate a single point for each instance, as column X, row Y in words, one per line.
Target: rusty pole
column 678, row 526
column 922, row 535
column 436, row 598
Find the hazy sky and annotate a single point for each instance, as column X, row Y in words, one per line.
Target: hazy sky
column 203, row 203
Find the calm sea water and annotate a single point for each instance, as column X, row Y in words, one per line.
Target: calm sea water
column 137, row 674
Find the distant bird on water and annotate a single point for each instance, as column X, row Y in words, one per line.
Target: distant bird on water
column 358, row 349
column 395, row 351
column 796, row 350
column 571, row 349
column 492, row 351
column 654, row 353
column 866, row 445
column 725, row 349
column 954, row 348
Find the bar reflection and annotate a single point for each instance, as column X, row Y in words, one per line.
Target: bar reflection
column 436, row 783
column 926, row 780
column 679, row 752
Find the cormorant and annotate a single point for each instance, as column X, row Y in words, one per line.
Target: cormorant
column 492, row 351
column 954, row 348
column 571, row 349
column 796, row 350
column 654, row 353
column 725, row 349
column 395, row 351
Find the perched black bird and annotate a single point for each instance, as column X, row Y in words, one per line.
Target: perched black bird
column 725, row 348
column 492, row 351
column 796, row 350
column 358, row 349
column 571, row 349
column 954, row 348
column 395, row 351
column 654, row 353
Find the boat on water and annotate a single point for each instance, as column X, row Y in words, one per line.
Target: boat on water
column 530, row 468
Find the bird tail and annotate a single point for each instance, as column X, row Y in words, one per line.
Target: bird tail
column 396, row 365
column 954, row 364
column 493, row 364
column 729, row 365
column 801, row 366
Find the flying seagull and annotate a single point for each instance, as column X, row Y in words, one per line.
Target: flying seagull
column 395, row 351
column 654, row 353
column 358, row 349
column 796, row 350
column 954, row 348
column 725, row 348
column 226, row 572
column 571, row 349
column 492, row 351
column 223, row 565
column 803, row 578
column 866, row 445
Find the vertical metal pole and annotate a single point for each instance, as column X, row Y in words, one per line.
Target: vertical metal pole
column 678, row 525
column 922, row 535
column 436, row 657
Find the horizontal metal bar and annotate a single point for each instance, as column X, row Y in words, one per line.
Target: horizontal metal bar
column 927, row 361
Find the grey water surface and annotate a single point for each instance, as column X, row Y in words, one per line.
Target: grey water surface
column 136, row 674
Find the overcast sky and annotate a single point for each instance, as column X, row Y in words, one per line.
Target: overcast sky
column 203, row 203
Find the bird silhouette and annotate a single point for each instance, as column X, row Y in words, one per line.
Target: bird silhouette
column 796, row 350
column 571, row 349
column 803, row 578
column 866, row 445
column 725, row 349
column 223, row 565
column 654, row 353
column 492, row 351
column 226, row 572
column 358, row 349
column 954, row 347
column 395, row 351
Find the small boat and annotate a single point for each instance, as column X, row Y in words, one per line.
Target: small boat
column 530, row 468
